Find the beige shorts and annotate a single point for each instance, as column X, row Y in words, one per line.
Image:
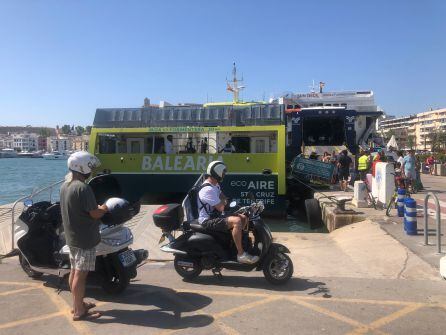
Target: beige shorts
column 82, row 259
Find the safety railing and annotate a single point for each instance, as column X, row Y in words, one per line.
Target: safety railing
column 438, row 220
column 49, row 188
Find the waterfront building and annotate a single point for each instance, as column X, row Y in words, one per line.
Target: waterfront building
column 42, row 143
column 80, row 142
column 25, row 142
column 61, row 144
column 414, row 131
column 6, row 141
column 402, row 127
column 427, row 123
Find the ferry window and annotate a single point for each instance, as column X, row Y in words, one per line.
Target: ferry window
column 121, row 147
column 149, row 145
column 260, row 145
column 274, row 112
column 241, row 144
column 193, row 114
column 159, row 145
column 107, row 144
column 135, row 145
column 247, row 142
column 213, row 114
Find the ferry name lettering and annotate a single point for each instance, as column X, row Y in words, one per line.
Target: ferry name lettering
column 177, row 163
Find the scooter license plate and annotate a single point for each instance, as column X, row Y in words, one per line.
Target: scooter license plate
column 127, row 258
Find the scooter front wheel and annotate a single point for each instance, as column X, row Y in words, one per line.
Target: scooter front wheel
column 278, row 268
column 27, row 268
column 116, row 281
column 186, row 267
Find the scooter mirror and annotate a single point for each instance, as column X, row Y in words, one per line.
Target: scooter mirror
column 28, row 202
column 232, row 204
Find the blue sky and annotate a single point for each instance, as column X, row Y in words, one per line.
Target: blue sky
column 60, row 60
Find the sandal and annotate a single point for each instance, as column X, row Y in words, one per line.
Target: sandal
column 86, row 316
column 87, row 306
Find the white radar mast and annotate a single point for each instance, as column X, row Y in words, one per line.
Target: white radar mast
column 233, row 86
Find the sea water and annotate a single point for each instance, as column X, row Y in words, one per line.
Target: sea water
column 19, row 177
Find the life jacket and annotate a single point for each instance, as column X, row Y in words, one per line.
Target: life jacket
column 363, row 163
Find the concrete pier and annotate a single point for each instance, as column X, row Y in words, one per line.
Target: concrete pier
column 334, row 219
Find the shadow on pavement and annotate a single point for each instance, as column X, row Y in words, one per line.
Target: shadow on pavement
column 164, row 307
column 294, row 284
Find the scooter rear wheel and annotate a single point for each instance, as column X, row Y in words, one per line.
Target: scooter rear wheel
column 27, row 268
column 187, row 272
column 278, row 268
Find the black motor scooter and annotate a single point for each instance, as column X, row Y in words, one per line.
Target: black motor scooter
column 42, row 245
column 197, row 248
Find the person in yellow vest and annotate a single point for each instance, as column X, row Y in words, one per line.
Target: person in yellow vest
column 364, row 164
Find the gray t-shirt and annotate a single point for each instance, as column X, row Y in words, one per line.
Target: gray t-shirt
column 76, row 201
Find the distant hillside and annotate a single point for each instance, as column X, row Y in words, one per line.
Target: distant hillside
column 37, row 130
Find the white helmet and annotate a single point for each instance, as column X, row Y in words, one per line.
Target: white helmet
column 217, row 170
column 82, row 162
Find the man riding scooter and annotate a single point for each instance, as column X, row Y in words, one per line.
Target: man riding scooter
column 211, row 204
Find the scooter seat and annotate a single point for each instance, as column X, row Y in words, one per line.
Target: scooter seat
column 195, row 226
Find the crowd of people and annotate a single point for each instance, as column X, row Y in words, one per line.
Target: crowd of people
column 408, row 166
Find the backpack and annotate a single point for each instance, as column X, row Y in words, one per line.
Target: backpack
column 193, row 199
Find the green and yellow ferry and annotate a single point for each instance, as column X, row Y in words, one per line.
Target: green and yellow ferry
column 162, row 149
column 132, row 144
column 255, row 140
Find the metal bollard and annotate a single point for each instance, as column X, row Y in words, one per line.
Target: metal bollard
column 400, row 201
column 438, row 220
column 410, row 216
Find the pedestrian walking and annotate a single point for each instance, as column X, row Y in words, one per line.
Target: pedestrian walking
column 344, row 165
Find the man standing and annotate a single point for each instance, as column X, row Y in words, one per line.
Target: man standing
column 409, row 168
column 364, row 164
column 80, row 214
column 204, row 145
column 168, row 145
column 228, row 148
column 211, row 203
column 400, row 158
column 344, row 164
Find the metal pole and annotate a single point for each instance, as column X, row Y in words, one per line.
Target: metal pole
column 438, row 220
column 426, row 236
column 438, row 227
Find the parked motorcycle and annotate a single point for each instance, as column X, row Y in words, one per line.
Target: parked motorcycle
column 43, row 250
column 197, row 248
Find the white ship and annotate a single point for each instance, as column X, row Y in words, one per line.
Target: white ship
column 55, row 155
column 8, row 153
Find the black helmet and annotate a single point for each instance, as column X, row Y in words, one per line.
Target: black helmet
column 217, row 170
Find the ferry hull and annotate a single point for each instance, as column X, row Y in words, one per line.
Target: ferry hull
column 152, row 187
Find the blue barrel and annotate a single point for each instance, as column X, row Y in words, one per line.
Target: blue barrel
column 410, row 216
column 400, row 201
